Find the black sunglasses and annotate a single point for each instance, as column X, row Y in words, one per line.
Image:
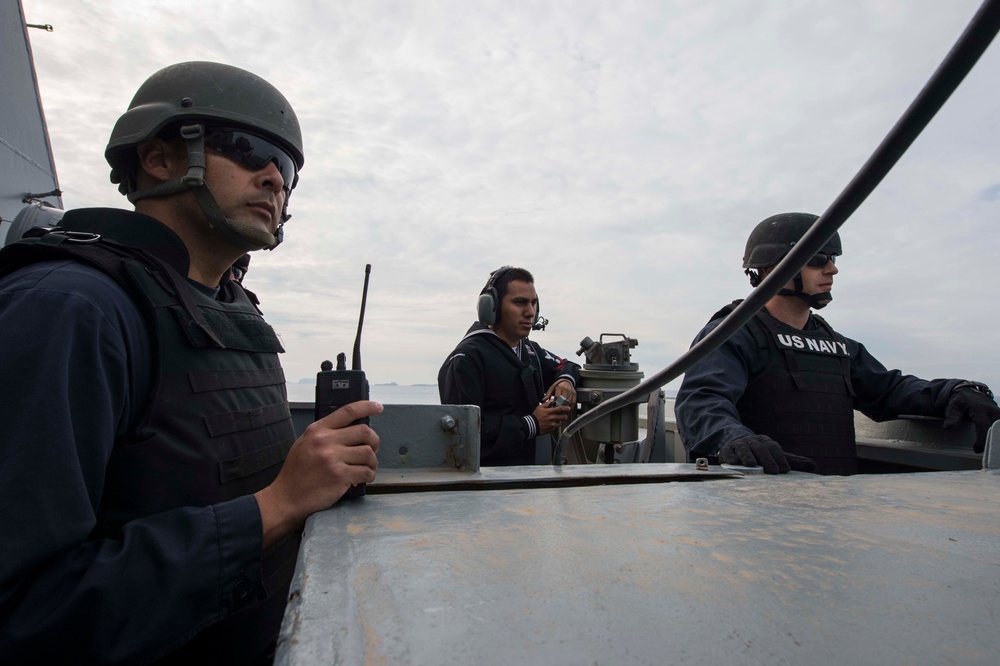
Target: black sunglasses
column 819, row 259
column 252, row 151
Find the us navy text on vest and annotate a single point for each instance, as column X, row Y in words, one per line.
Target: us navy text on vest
column 811, row 344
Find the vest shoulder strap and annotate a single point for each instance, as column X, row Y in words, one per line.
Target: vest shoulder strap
column 758, row 327
column 95, row 251
column 725, row 310
column 825, row 326
column 755, row 325
column 113, row 259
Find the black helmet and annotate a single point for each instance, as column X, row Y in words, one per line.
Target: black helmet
column 209, row 91
column 204, row 93
column 774, row 237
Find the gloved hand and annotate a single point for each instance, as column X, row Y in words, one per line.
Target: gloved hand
column 762, row 451
column 970, row 403
column 755, row 451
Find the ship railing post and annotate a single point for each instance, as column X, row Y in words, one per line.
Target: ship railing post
column 991, row 455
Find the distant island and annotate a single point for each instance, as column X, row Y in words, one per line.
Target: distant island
column 312, row 380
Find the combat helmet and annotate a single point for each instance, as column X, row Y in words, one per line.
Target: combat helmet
column 196, row 96
column 772, row 239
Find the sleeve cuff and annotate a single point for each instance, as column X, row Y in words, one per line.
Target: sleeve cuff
column 532, row 423
column 241, row 543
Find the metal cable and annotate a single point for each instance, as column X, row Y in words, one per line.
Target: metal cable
column 957, row 64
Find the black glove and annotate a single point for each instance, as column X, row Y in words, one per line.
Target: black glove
column 971, row 401
column 755, row 451
column 762, row 451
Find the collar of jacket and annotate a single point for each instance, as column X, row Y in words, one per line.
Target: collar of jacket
column 479, row 329
column 132, row 229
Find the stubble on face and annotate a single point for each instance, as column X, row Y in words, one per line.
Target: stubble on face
column 249, row 198
column 517, row 312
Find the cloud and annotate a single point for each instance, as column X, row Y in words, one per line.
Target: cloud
column 622, row 152
column 991, row 193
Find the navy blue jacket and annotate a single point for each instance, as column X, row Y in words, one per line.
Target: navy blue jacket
column 75, row 358
column 507, row 386
column 706, row 402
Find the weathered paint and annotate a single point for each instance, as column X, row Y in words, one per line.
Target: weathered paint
column 795, row 569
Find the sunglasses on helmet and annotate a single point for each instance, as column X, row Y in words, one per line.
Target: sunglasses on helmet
column 252, row 151
column 819, row 259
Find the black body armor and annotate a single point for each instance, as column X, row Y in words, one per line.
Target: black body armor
column 216, row 424
column 803, row 398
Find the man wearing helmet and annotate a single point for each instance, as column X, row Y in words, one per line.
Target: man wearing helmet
column 781, row 392
column 153, row 485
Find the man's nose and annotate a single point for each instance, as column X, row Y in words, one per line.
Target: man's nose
column 270, row 176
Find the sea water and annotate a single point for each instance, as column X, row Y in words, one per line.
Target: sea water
column 389, row 394
column 392, row 394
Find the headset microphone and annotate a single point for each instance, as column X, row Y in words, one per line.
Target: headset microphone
column 488, row 306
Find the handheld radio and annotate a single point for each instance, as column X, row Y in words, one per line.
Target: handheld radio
column 336, row 388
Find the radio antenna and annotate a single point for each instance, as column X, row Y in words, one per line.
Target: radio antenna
column 356, row 359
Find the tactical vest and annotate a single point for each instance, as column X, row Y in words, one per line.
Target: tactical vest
column 216, row 424
column 803, row 398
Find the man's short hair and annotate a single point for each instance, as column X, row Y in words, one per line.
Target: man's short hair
column 129, row 160
column 508, row 276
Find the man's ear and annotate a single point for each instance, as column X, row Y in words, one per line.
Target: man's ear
column 158, row 159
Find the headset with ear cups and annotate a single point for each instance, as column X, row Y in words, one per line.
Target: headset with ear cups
column 488, row 307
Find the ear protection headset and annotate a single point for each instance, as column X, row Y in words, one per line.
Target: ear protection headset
column 488, row 307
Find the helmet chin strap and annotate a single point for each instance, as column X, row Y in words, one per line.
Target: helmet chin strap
column 238, row 234
column 815, row 301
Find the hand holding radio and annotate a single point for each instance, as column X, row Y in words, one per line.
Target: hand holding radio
column 561, row 388
column 550, row 416
column 333, row 455
column 558, row 401
column 340, row 387
column 556, row 407
column 336, row 455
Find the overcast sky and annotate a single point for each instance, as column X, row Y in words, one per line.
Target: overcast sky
column 621, row 151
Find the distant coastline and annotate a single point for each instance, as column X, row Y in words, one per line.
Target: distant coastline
column 312, row 380
column 384, row 392
column 389, row 392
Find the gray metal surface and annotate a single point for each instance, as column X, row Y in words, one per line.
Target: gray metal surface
column 753, row 570
column 25, row 154
column 415, row 437
column 917, row 442
column 544, row 476
column 991, row 457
